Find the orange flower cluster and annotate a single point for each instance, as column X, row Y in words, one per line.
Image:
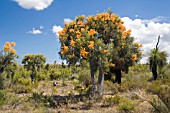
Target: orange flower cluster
column 71, row 30
column 72, row 42
column 137, row 44
column 89, row 18
column 105, row 51
column 113, row 17
column 123, row 28
column 79, row 23
column 129, row 32
column 134, row 57
column 140, row 52
column 61, row 33
column 124, row 35
column 65, row 49
column 91, row 45
column 106, row 16
column 72, row 23
column 84, row 53
column 123, row 45
column 71, row 56
column 8, row 47
column 13, row 51
column 82, row 29
column 92, row 32
column 140, row 45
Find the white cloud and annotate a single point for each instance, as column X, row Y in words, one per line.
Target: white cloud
column 42, row 27
column 147, row 32
column 56, row 29
column 67, row 20
column 136, row 16
column 35, row 31
column 34, row 4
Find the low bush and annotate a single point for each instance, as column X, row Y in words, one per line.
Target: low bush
column 111, row 101
column 84, row 77
column 162, row 89
column 126, row 105
column 22, row 89
column 55, row 75
column 3, row 97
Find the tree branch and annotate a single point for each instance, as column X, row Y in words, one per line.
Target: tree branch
column 157, row 42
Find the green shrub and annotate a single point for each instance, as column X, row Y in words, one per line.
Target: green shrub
column 41, row 101
column 2, row 82
column 110, row 87
column 3, row 97
column 22, row 89
column 159, row 106
column 126, row 105
column 41, row 76
column 111, row 101
column 55, row 75
column 23, row 81
column 162, row 89
column 84, row 77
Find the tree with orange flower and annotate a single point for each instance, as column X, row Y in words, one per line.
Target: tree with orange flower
column 95, row 39
column 7, row 56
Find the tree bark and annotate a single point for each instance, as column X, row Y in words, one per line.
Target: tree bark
column 154, row 72
column 92, row 77
column 100, row 78
column 1, row 70
column 118, row 76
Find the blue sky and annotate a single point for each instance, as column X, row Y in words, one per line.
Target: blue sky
column 18, row 18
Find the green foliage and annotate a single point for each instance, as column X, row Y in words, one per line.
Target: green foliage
column 41, row 76
column 55, row 75
column 22, row 89
column 159, row 106
column 126, row 106
column 7, row 57
column 65, row 74
column 139, row 68
column 41, row 100
column 2, row 82
column 111, row 101
column 3, row 97
column 23, row 81
column 33, row 61
column 84, row 77
column 162, row 89
column 109, row 86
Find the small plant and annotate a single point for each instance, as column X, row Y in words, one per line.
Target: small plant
column 22, row 89
column 126, row 105
column 89, row 105
column 55, row 75
column 3, row 97
column 84, row 77
column 111, row 101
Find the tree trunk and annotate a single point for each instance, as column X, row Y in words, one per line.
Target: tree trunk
column 1, row 70
column 118, row 76
column 92, row 77
column 100, row 78
column 154, row 72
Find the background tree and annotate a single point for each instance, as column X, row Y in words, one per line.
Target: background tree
column 157, row 60
column 34, row 63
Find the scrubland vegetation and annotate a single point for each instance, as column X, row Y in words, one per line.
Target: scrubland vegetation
column 102, row 74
